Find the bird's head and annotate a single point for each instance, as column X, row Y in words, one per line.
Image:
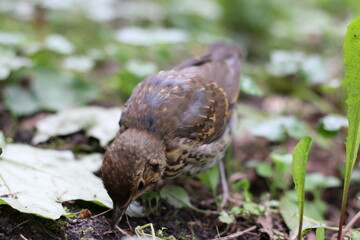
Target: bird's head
column 132, row 165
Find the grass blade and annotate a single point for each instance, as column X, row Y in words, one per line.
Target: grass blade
column 352, row 86
column 300, row 157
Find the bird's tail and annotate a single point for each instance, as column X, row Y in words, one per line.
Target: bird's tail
column 230, row 53
column 223, row 51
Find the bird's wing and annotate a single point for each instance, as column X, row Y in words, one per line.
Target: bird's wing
column 194, row 100
column 217, row 75
column 220, row 65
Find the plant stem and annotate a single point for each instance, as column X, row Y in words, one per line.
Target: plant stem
column 343, row 206
column 348, row 170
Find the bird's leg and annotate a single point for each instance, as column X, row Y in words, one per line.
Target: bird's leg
column 224, row 184
column 226, row 197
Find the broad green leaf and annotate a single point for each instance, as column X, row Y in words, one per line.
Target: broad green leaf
column 78, row 63
column 282, row 163
column 355, row 235
column 62, row 92
column 316, row 181
column 299, row 163
column 320, row 233
column 100, row 123
column 209, row 10
column 20, row 101
column 9, row 61
column 12, row 38
column 264, row 169
column 226, row 218
column 242, row 187
column 210, row 178
column 330, row 125
column 37, row 181
column 140, row 68
column 248, row 208
column 284, row 63
column 276, row 129
column 352, row 86
column 59, row 44
column 247, row 85
column 176, row 196
column 313, row 212
column 334, row 122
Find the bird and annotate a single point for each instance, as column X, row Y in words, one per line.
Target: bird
column 176, row 122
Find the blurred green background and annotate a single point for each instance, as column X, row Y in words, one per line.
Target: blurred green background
column 59, row 54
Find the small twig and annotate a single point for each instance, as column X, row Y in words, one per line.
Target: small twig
column 22, row 223
column 352, row 221
column 118, row 229
column 347, row 227
column 122, row 231
column 100, row 214
column 128, row 222
column 22, row 237
column 237, row 234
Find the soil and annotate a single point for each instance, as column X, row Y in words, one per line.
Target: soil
column 182, row 223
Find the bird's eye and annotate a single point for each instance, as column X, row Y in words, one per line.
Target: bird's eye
column 141, row 185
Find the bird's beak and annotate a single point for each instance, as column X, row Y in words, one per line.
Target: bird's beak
column 118, row 213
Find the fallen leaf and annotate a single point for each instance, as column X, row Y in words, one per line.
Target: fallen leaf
column 100, row 123
column 37, row 181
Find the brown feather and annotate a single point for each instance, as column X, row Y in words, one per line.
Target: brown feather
column 194, row 100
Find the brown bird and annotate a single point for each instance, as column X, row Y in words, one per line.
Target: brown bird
column 176, row 122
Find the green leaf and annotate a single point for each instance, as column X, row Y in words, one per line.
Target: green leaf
column 140, row 68
column 242, row 187
column 62, row 92
column 289, row 211
column 248, row 208
column 176, row 196
column 210, row 178
column 320, row 233
column 284, row 63
column 300, row 157
column 282, row 163
column 316, row 181
column 355, row 235
column 330, row 125
column 226, row 218
column 264, row 169
column 247, row 85
column 334, row 122
column 276, row 129
column 352, row 86
column 253, row 209
column 20, row 101
column 37, row 181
